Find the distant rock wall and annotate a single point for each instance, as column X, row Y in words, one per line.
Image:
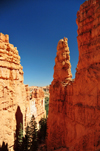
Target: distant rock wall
column 36, row 105
column 74, row 106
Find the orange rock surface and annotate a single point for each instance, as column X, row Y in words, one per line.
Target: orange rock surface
column 74, row 106
column 15, row 104
column 62, row 68
column 14, row 95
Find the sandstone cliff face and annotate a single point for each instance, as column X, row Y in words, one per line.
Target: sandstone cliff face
column 13, row 93
column 74, row 109
column 15, row 104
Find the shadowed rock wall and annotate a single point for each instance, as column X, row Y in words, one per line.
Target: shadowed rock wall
column 74, row 106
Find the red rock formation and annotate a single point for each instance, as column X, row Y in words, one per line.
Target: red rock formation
column 74, row 109
column 57, row 109
column 62, row 68
column 13, row 93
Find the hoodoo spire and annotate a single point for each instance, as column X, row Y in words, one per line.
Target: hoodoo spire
column 62, row 68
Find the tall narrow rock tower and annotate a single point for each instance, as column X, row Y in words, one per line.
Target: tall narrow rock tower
column 62, row 79
column 62, row 68
column 74, row 109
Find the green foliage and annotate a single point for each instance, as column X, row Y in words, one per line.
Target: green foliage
column 33, row 134
column 20, row 136
column 26, row 139
column 47, row 105
column 33, row 137
column 46, row 99
column 47, row 109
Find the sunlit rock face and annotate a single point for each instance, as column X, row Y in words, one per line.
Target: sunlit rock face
column 62, row 68
column 39, row 104
column 57, row 103
column 74, row 109
column 15, row 104
column 14, row 95
column 36, row 106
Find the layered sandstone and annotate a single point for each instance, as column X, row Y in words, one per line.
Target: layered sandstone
column 15, row 104
column 13, row 93
column 74, row 109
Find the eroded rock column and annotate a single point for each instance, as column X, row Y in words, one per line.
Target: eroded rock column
column 62, row 68
column 57, row 108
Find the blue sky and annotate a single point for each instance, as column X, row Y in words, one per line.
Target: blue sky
column 35, row 27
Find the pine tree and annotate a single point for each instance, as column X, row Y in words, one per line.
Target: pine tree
column 20, row 136
column 33, row 136
column 30, row 139
column 27, row 139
